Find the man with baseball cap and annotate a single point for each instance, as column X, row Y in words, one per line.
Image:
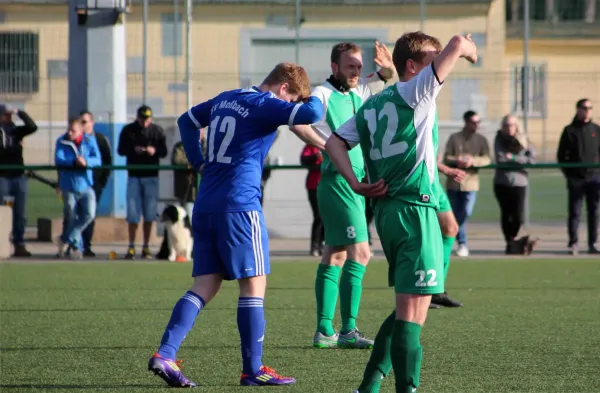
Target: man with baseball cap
column 13, row 182
column 142, row 143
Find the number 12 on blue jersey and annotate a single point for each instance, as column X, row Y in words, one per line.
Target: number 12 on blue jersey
column 227, row 127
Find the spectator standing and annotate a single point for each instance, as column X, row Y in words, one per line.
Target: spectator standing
column 142, row 143
column 580, row 143
column 13, row 182
column 511, row 146
column 312, row 158
column 467, row 150
column 79, row 150
column 100, row 176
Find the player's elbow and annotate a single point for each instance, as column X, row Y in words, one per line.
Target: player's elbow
column 333, row 145
column 309, row 113
column 184, row 122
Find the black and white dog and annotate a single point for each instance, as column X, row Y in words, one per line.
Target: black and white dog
column 179, row 232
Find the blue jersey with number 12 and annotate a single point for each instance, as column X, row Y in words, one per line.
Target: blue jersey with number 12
column 241, row 130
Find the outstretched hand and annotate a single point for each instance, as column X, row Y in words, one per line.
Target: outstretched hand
column 471, row 53
column 375, row 190
column 383, row 56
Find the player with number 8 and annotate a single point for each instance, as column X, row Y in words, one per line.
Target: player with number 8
column 342, row 210
column 399, row 132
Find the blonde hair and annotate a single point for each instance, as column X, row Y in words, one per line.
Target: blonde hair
column 520, row 135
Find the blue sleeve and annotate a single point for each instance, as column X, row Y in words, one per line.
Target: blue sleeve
column 190, row 124
column 60, row 158
column 94, row 158
column 279, row 113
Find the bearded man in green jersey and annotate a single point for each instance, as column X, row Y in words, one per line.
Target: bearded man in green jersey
column 398, row 132
column 343, row 211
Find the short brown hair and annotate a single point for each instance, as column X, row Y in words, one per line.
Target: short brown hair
column 292, row 74
column 343, row 47
column 75, row 121
column 410, row 47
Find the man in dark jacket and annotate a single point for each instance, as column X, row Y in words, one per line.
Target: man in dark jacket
column 13, row 182
column 143, row 143
column 580, row 143
column 100, row 176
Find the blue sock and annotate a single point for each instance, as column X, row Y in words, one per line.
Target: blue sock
column 182, row 320
column 251, row 324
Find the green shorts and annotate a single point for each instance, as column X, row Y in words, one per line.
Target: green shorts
column 412, row 242
column 342, row 212
column 442, row 198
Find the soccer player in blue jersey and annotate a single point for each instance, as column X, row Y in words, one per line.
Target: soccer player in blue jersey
column 230, row 235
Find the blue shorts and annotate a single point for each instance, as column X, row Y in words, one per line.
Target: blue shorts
column 235, row 245
column 142, row 199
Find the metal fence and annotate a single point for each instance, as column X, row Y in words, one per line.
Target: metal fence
column 33, row 74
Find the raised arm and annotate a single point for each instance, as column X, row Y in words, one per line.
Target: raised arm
column 458, row 47
column 375, row 83
column 317, row 133
column 29, row 126
column 276, row 112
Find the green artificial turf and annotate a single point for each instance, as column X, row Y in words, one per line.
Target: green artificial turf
column 527, row 326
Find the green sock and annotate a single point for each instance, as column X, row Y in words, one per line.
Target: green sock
column 407, row 355
column 447, row 242
column 350, row 293
column 380, row 362
column 326, row 291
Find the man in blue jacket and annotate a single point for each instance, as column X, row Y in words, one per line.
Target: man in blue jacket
column 75, row 149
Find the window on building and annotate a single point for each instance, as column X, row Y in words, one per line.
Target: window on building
column 19, row 62
column 171, row 27
column 553, row 10
column 535, row 95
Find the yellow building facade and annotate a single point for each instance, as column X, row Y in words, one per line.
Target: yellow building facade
column 235, row 44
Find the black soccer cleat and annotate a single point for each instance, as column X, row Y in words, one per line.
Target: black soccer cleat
column 444, row 300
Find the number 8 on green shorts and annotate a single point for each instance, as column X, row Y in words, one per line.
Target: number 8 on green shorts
column 342, row 212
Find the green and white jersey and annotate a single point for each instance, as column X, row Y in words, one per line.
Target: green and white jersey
column 338, row 108
column 398, row 131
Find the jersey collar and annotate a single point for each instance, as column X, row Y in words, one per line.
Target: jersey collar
column 337, row 84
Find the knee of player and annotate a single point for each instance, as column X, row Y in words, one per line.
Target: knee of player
column 448, row 224
column 360, row 253
column 334, row 256
column 450, row 229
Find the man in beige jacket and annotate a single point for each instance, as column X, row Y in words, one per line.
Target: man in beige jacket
column 466, row 150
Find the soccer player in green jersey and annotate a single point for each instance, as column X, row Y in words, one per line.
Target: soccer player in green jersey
column 397, row 130
column 343, row 211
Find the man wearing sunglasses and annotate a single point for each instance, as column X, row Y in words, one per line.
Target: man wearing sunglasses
column 466, row 150
column 580, row 143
